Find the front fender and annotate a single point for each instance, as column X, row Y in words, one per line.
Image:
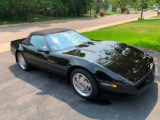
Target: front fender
column 99, row 72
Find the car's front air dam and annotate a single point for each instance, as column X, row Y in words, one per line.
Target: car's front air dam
column 135, row 89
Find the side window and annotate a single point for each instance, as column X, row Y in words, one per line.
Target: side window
column 37, row 41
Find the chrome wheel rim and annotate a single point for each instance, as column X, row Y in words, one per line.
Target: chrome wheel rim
column 21, row 61
column 82, row 84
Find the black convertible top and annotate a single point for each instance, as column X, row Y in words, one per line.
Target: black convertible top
column 45, row 32
column 49, row 31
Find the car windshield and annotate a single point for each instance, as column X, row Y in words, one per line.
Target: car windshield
column 64, row 40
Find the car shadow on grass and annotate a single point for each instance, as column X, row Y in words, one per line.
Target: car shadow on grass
column 125, row 107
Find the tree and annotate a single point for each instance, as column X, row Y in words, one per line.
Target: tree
column 156, row 1
column 101, row 4
column 78, row 7
column 16, row 9
column 106, row 5
column 29, row 9
column 122, row 4
column 143, row 5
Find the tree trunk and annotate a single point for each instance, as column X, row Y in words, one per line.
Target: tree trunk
column 90, row 11
column 122, row 10
column 142, row 10
column 141, row 13
column 142, row 3
column 97, row 11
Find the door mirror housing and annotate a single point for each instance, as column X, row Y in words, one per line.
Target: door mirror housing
column 43, row 49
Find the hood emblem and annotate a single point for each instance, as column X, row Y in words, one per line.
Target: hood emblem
column 137, row 61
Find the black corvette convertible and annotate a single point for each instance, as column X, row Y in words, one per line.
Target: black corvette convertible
column 91, row 66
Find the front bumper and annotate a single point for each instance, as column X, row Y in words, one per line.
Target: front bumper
column 134, row 89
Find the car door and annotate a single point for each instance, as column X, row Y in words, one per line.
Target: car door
column 58, row 62
column 32, row 54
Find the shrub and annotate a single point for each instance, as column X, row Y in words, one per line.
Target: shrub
column 141, row 18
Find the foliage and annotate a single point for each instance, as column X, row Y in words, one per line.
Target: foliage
column 26, row 9
column 98, row 4
column 140, row 18
column 138, row 4
column 29, row 9
column 14, row 9
column 122, row 4
column 106, row 4
column 77, row 7
column 143, row 4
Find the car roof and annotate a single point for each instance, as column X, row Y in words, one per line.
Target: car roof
column 45, row 32
column 49, row 31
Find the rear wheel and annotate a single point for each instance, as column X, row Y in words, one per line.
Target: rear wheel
column 84, row 84
column 22, row 62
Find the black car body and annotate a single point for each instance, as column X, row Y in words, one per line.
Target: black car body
column 116, row 67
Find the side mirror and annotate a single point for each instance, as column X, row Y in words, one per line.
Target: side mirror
column 43, row 49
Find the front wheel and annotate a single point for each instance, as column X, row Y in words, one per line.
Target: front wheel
column 22, row 62
column 84, row 84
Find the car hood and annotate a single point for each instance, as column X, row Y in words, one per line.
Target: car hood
column 120, row 58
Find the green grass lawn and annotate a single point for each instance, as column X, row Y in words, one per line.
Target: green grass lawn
column 156, row 16
column 112, row 13
column 39, row 19
column 42, row 18
column 143, row 33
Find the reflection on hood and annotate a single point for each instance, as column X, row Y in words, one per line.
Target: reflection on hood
column 120, row 58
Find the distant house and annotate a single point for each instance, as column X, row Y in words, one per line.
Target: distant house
column 153, row 7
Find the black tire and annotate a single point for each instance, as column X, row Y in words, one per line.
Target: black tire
column 26, row 66
column 90, row 79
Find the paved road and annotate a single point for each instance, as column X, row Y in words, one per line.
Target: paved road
column 38, row 95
